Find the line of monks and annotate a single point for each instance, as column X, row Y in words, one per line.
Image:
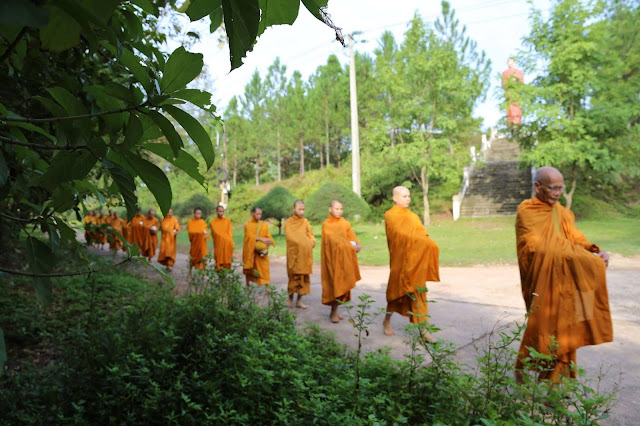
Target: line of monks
column 563, row 275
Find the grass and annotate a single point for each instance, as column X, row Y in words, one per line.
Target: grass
column 464, row 242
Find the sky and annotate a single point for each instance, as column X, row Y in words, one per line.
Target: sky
column 498, row 27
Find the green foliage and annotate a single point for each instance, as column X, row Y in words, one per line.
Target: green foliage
column 117, row 348
column 318, row 203
column 581, row 110
column 186, row 208
column 277, row 204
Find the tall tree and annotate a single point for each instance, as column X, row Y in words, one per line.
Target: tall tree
column 253, row 108
column 275, row 87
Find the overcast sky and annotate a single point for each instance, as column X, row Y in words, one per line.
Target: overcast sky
column 496, row 25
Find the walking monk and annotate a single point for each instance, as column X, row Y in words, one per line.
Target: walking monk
column 90, row 220
column 197, row 229
column 118, row 226
column 340, row 269
column 150, row 242
column 137, row 229
column 222, row 235
column 168, row 245
column 413, row 261
column 300, row 244
column 255, row 251
column 563, row 280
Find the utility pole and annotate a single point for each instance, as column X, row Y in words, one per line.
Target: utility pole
column 355, row 136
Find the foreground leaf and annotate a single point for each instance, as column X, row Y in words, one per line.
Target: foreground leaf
column 181, row 68
column 154, row 178
column 241, row 20
column 195, row 130
column 184, row 161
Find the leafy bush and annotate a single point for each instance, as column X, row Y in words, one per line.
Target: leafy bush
column 318, row 204
column 118, row 350
column 277, row 204
column 197, row 200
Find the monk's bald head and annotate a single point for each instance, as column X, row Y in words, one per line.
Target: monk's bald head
column 335, row 208
column 401, row 196
column 548, row 184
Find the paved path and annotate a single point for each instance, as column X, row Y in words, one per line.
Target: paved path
column 472, row 301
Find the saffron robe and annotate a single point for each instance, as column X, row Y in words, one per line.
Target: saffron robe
column 340, row 270
column 299, row 237
column 255, row 268
column 101, row 234
column 137, row 231
column 168, row 244
column 563, row 285
column 118, row 226
column 197, row 229
column 150, row 242
column 87, row 232
column 222, row 235
column 413, row 260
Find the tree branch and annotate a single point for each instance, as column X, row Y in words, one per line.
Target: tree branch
column 19, row 219
column 63, row 274
column 40, row 146
column 72, row 117
column 13, row 44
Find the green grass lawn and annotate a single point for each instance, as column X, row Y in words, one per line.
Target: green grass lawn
column 465, row 242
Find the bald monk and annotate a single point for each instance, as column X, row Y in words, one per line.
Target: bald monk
column 168, row 244
column 89, row 220
column 340, row 269
column 413, row 260
column 117, row 224
column 198, row 236
column 563, row 280
column 101, row 233
column 137, row 229
column 300, row 244
column 150, row 244
column 255, row 254
column 222, row 235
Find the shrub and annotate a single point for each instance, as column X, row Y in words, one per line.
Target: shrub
column 197, row 200
column 318, row 204
column 277, row 204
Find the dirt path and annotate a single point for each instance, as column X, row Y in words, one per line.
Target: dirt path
column 469, row 303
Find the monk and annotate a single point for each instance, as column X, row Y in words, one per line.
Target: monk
column 101, row 234
column 413, row 261
column 255, row 254
column 340, row 270
column 89, row 220
column 222, row 235
column 168, row 244
column 563, row 281
column 511, row 77
column 198, row 236
column 150, row 243
column 137, row 229
column 300, row 244
column 126, row 233
column 117, row 224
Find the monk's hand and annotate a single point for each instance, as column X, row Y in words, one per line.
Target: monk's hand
column 358, row 247
column 313, row 244
column 604, row 256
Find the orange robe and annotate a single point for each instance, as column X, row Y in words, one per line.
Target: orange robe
column 126, row 233
column 563, row 285
column 137, row 231
column 168, row 244
column 197, row 229
column 87, row 232
column 150, row 242
column 222, row 235
column 413, row 260
column 256, row 268
column 102, row 232
column 118, row 226
column 299, row 238
column 340, row 269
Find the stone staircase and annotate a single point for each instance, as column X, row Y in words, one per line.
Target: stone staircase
column 497, row 185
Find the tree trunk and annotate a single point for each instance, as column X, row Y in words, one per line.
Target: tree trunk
column 568, row 196
column 301, row 156
column 321, row 156
column 326, row 129
column 257, row 167
column 424, row 182
column 278, row 160
column 235, row 172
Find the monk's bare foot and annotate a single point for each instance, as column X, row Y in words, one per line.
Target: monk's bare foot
column 386, row 325
column 334, row 318
column 340, row 317
column 426, row 337
column 301, row 305
column 290, row 302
